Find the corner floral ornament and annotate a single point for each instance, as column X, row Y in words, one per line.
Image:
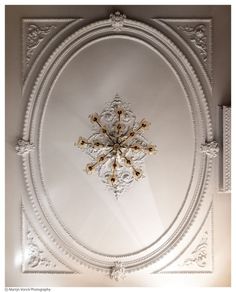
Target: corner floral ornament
column 117, row 147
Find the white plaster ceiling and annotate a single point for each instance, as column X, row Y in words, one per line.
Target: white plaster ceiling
column 88, row 211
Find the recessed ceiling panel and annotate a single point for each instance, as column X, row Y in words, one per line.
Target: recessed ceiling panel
column 85, row 207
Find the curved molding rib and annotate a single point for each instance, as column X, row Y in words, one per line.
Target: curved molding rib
column 198, row 257
column 70, row 251
column 196, row 35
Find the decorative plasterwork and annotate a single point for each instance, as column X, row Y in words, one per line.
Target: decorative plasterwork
column 198, row 257
column 117, row 147
column 35, row 256
column 211, row 149
column 117, row 20
column 197, row 35
column 226, row 149
column 117, row 271
column 23, row 147
column 199, row 254
column 35, row 34
column 38, row 207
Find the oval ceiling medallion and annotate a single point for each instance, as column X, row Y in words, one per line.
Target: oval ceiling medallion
column 74, row 214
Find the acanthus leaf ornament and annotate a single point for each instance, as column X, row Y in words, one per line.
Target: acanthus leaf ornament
column 35, row 35
column 117, row 20
column 198, row 37
column 117, row 271
column 23, row 147
column 34, row 256
column 117, row 147
column 211, row 149
column 199, row 254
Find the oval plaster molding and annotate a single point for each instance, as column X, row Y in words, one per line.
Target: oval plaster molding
column 36, row 202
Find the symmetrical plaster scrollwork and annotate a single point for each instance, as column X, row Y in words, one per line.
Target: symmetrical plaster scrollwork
column 226, row 149
column 211, row 149
column 198, row 37
column 35, row 35
column 199, row 254
column 23, row 147
column 117, row 20
column 117, row 271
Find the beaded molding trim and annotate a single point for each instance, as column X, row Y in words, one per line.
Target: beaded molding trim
column 226, row 149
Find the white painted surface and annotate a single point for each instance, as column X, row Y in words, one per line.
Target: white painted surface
column 87, row 210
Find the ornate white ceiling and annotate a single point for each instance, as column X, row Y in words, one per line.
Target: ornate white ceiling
column 72, row 223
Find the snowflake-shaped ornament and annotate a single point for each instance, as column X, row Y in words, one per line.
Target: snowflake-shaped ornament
column 117, row 147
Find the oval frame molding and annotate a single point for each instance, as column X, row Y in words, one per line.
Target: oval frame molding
column 198, row 199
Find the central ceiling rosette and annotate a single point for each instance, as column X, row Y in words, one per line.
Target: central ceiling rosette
column 117, row 146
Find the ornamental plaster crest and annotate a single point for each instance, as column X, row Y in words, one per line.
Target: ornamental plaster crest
column 24, row 147
column 117, row 271
column 211, row 149
column 117, row 20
